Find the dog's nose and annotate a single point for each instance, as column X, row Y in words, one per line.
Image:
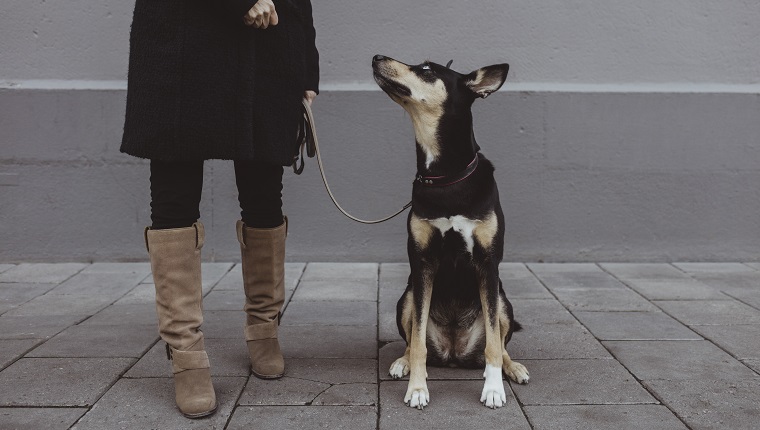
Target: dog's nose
column 378, row 58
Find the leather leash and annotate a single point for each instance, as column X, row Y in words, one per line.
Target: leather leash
column 310, row 121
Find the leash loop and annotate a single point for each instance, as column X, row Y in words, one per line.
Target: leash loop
column 312, row 129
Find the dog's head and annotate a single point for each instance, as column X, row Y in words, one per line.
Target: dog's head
column 438, row 100
column 430, row 87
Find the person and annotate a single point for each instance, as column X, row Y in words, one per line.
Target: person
column 217, row 80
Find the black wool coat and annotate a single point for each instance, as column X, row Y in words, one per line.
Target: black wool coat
column 204, row 85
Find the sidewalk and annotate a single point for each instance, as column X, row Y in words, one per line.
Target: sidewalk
column 608, row 346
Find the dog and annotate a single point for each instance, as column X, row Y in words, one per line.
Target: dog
column 454, row 311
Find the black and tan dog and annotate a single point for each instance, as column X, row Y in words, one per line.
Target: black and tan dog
column 454, row 311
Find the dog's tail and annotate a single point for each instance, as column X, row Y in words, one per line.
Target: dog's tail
column 516, row 326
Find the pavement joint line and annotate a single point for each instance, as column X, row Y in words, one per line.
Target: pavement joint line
column 742, row 302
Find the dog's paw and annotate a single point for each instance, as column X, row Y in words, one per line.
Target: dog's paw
column 517, row 372
column 493, row 395
column 417, row 397
column 399, row 368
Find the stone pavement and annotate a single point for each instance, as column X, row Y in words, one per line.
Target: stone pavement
column 608, row 346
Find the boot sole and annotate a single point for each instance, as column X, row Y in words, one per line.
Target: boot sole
column 260, row 376
column 202, row 414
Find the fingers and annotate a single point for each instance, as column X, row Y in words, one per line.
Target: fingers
column 309, row 95
column 261, row 15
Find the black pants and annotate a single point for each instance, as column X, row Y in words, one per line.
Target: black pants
column 175, row 191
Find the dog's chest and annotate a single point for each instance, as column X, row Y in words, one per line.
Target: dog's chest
column 460, row 224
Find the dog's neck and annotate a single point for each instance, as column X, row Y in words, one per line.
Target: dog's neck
column 446, row 146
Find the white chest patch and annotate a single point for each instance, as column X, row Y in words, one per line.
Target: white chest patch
column 459, row 224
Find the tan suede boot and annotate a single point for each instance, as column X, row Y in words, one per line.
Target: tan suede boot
column 175, row 258
column 263, row 255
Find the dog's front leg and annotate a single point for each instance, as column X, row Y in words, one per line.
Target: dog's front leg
column 493, row 395
column 417, row 394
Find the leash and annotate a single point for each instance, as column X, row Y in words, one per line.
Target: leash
column 309, row 119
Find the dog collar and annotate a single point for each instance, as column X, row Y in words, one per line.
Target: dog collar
column 442, row 181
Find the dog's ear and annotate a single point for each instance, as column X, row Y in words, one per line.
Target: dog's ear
column 484, row 81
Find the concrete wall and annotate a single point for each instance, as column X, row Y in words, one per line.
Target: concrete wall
column 627, row 130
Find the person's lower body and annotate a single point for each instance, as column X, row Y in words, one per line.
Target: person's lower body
column 174, row 241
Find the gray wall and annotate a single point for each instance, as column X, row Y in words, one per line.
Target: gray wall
column 627, row 130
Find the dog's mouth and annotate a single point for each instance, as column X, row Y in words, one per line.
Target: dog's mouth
column 390, row 86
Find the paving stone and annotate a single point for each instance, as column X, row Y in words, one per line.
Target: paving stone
column 356, row 271
column 583, row 280
column 388, row 329
column 741, row 341
column 753, row 364
column 117, row 268
column 755, row 266
column 336, row 290
column 212, row 273
column 330, row 313
column 328, row 341
column 599, row 299
column 39, row 418
column 223, row 324
column 390, row 352
column 603, row 417
column 99, row 341
column 582, row 381
column 12, row 349
column 149, row 404
column 15, row 294
column 4, row 267
column 224, row 300
column 658, row 271
column 453, row 405
column 41, row 273
column 143, row 314
column 304, row 417
column 333, row 370
column 519, row 283
column 141, row 294
column 543, row 268
column 675, row 289
column 750, row 298
column 59, row 381
column 732, row 283
column 533, row 312
column 50, row 304
column 709, row 312
column 348, row 395
column 677, row 360
column 394, row 275
column 109, row 285
column 228, row 357
column 554, row 342
column 36, row 327
column 712, row 404
column 635, row 326
column 703, row 268
column 285, row 391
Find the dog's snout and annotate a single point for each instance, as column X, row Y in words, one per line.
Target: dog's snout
column 378, row 57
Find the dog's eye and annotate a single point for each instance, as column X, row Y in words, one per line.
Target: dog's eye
column 426, row 67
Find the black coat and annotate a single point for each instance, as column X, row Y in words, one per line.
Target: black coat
column 204, row 85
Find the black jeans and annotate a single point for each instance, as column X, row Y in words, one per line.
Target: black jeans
column 175, row 192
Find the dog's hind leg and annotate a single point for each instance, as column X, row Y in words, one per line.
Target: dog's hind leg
column 514, row 370
column 493, row 395
column 417, row 394
column 400, row 367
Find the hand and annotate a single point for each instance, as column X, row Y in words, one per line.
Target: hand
column 261, row 15
column 309, row 95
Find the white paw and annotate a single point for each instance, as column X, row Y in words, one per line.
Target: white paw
column 493, row 395
column 518, row 373
column 417, row 397
column 399, row 368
